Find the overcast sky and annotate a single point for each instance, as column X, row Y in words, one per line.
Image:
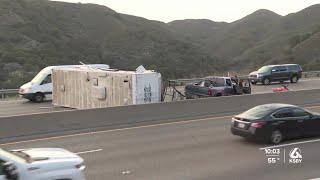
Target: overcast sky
column 216, row 10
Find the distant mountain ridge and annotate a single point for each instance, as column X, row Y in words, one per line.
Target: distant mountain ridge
column 262, row 37
column 38, row 33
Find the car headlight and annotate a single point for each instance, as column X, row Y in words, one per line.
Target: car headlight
column 81, row 166
column 259, row 75
column 21, row 90
column 26, row 90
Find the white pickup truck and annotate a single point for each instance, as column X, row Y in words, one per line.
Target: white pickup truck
column 41, row 164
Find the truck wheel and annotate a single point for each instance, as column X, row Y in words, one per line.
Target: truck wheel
column 38, row 97
column 294, row 79
column 266, row 81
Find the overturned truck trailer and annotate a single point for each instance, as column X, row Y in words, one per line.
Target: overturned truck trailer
column 86, row 88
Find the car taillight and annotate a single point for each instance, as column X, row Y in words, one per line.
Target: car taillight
column 257, row 124
column 210, row 92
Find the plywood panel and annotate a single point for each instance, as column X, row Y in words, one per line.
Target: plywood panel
column 79, row 88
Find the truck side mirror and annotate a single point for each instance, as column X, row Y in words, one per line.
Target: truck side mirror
column 10, row 171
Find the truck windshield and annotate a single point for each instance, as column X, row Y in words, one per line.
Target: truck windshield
column 39, row 77
column 264, row 69
column 217, row 82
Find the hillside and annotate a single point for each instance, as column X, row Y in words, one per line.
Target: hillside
column 38, row 33
column 197, row 30
column 262, row 37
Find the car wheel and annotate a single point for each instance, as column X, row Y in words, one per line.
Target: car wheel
column 276, row 137
column 294, row 79
column 266, row 81
column 38, row 97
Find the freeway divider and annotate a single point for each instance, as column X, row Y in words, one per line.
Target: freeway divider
column 61, row 123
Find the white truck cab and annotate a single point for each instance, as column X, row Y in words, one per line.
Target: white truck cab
column 40, row 87
column 42, row 164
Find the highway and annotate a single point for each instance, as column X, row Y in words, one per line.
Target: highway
column 303, row 84
column 201, row 149
column 23, row 107
column 164, row 141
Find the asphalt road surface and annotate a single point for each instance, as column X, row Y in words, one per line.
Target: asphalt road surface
column 22, row 107
column 202, row 149
column 303, row 84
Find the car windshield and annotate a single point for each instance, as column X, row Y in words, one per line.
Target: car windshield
column 15, row 156
column 264, row 69
column 257, row 112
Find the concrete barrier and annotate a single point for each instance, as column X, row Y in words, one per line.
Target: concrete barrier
column 61, row 123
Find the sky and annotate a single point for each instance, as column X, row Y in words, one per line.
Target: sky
column 216, row 10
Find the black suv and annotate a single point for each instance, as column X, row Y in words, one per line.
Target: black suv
column 272, row 73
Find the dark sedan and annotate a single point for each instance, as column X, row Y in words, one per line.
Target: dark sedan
column 276, row 122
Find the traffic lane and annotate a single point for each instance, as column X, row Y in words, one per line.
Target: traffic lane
column 22, row 107
column 189, row 150
column 303, row 84
column 162, row 151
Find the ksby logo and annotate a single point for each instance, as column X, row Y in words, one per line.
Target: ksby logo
column 295, row 156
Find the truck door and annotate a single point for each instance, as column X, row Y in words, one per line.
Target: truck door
column 204, row 88
column 230, row 87
column 283, row 73
column 276, row 74
column 46, row 87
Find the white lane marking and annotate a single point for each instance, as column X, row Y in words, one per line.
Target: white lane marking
column 315, row 179
column 12, row 101
column 38, row 113
column 90, row 151
column 125, row 172
column 48, row 107
column 290, row 144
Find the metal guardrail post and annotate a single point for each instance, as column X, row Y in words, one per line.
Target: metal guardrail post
column 5, row 92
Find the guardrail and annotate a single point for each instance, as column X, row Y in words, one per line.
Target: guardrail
column 5, row 92
column 308, row 74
